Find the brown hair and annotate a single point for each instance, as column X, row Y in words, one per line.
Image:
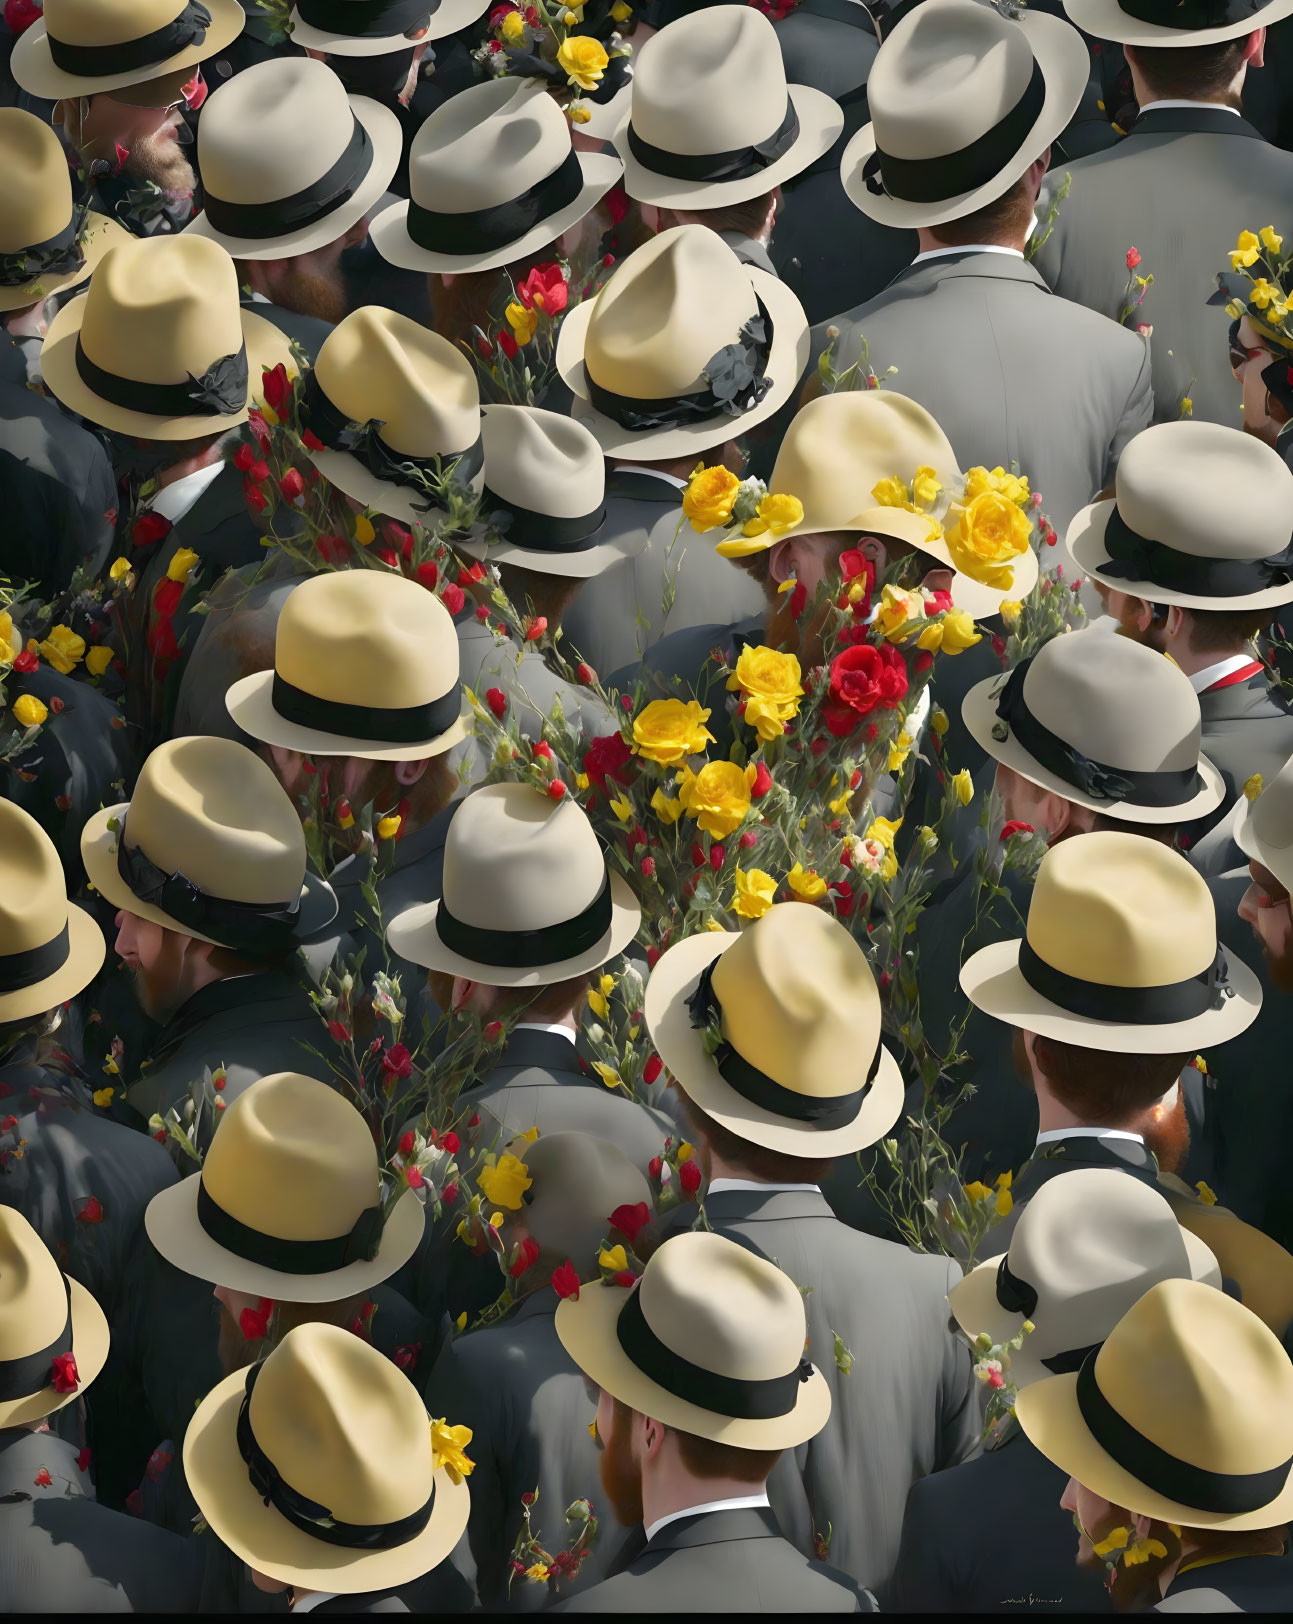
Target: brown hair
column 1189, row 72
column 706, row 1459
column 771, row 1166
column 534, row 593
column 1103, row 1087
column 1006, row 216
column 552, row 1002
column 746, row 218
column 1217, row 631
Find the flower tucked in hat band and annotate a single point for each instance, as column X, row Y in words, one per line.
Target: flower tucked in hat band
column 261, row 929
column 1016, row 1296
column 363, row 441
column 367, row 19
column 736, row 379
column 835, row 1111
column 1167, row 1474
column 931, row 180
column 54, row 257
column 308, row 1515
column 1093, row 778
column 411, row 724
column 358, row 1245
column 1133, row 557
column 52, row 1366
column 313, row 202
column 524, row 949
column 478, row 231
column 737, row 164
column 1127, row 1006
column 541, row 532
column 33, row 964
column 1189, row 15
column 722, row 1395
column 219, row 392
column 100, row 61
column 615, row 75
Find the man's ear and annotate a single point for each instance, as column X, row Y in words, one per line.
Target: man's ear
column 1255, row 49
column 781, row 561
column 408, row 772
column 1179, row 622
column 653, row 1435
column 1056, row 815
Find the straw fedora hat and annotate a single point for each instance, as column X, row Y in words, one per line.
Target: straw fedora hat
column 1264, row 827
column 1120, row 953
column 576, row 1183
column 289, row 161
column 46, row 243
column 49, row 948
column 839, row 447
column 800, row 1067
column 44, row 1316
column 545, row 494
column 159, row 346
column 378, row 27
column 1189, row 22
column 288, row 1202
column 211, row 846
column 1184, row 1415
column 528, row 898
column 685, row 347
column 712, row 120
column 83, row 47
column 493, row 177
column 396, row 406
column 365, row 665
column 1201, row 517
column 1086, row 1247
column 1105, row 723
column 316, row 1466
column 723, row 1332
column 962, row 100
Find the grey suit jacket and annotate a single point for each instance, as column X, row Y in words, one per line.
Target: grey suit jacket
column 1180, row 188
column 906, row 1408
column 1010, row 373
column 1247, row 729
column 722, row 1562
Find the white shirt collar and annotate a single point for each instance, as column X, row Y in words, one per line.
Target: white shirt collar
column 315, row 1599
column 967, row 248
column 742, row 1502
column 545, row 1026
column 651, row 473
column 757, row 1186
column 258, row 298
column 1211, row 107
column 1052, row 1134
column 1200, row 680
column 175, row 500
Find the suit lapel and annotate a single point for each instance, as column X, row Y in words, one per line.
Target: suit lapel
column 717, row 1528
column 1192, row 121
column 1085, row 1150
column 929, row 273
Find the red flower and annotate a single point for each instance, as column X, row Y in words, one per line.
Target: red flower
column 527, row 1255
column 496, row 699
column 8, row 1123
column 616, row 203
column 397, row 1061
column 406, row 1143
column 854, row 566
column 631, row 1221
column 449, row 1194
column 42, row 1479
column 158, row 1461
column 844, row 900
column 414, row 1177
column 542, row 750
column 544, row 289
column 166, row 598
column 625, row 1277
column 275, row 389
column 310, row 440
column 493, row 1031
column 762, row 783
column 1133, row 258
column 922, row 663
column 244, row 457
column 194, row 91
column 27, row 661
column 148, row 528
column 254, row 1322
column 20, row 15
column 716, row 855
column 451, row 1143
column 1015, row 827
column 255, row 498
column 862, row 678
column 483, row 346
column 497, row 15
column 565, row 1281
column 798, row 598
column 427, row 575
column 292, row 485
column 482, row 613
column 648, row 868
column 338, row 1032
column 535, row 628
column 655, row 1167
column 64, row 1378
column 453, row 597
column 259, row 428
column 91, row 1211
column 608, row 757
column 556, row 790
column 406, row 1356
column 508, row 345
column 689, row 1177
column 83, row 1460
column 388, row 556
column 652, row 1069
column 585, row 673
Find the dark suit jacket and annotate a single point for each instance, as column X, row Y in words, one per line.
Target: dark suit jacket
column 307, row 331
column 1246, row 1584
column 722, row 1562
column 1247, row 729
column 1180, row 188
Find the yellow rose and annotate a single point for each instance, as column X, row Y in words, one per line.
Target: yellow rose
column 120, row 569
column 926, row 487
column 63, row 648
column 776, row 513
column 899, row 750
column 772, row 685
column 718, row 797
column 953, row 634
column 707, row 501
column 28, row 711
column 1245, row 252
column 668, row 811
column 181, row 565
column 882, row 832
column 990, row 534
column 583, row 60
column 898, row 609
column 513, row 30
column 522, row 322
column 755, row 893
column 504, row 1184
column 613, row 1258
column 964, row 786
column 667, row 730
column 98, row 659
column 1010, row 611
column 1013, row 487
column 447, row 1449
column 1270, row 238
column 364, row 532
column 891, row 493
column 806, row 883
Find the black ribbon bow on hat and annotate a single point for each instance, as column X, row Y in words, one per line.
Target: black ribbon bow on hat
column 1016, row 1296
column 53, row 257
column 220, row 391
column 1133, row 557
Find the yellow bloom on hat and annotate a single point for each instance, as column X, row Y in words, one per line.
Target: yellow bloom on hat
column 505, row 1182
column 898, row 608
column 1245, row 252
column 891, row 493
column 777, row 512
column 63, row 648
column 718, row 797
column 522, row 322
column 772, row 685
column 755, row 893
column 953, row 634
column 583, row 60
column 806, row 883
column 181, row 565
column 667, row 810
column 120, row 569
column 926, row 487
column 448, row 1446
column 97, row 659
column 1270, row 238
column 28, row 711
column 989, row 536
column 666, row 730
column 707, row 501
column 1014, row 487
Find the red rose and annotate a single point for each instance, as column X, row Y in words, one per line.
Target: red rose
column 527, row 1255
column 862, row 678
column 762, row 783
column 244, row 457
column 451, row 1143
column 338, row 1032
column 275, row 390
column 255, row 499
column 565, row 1281
column 259, row 428
column 844, row 900
column 453, row 597
column 397, row 1061
column 406, row 1356
column 254, row 1322
column 166, row 598
column 27, row 662
column 1133, row 258
column 1015, row 827
column 491, row 1034
column 496, row 699
column 63, row 1378
column 716, row 855
column 608, row 757
column 483, row 346
column 508, row 345
column 542, row 751
column 544, row 289
column 655, row 1167
column 482, row 613
column 148, row 528
column 471, row 574
column 427, row 575
column 332, row 549
column 292, row 486
column 311, row 441
column 631, row 1220
column 91, row 1211
column 922, row 663
column 798, row 598
column 20, row 15
column 689, row 1177
column 497, row 15
column 406, row 1143
column 449, row 1194
column 388, row 556
column 556, row 790
column 652, row 1069
column 648, row 868
column 42, row 1479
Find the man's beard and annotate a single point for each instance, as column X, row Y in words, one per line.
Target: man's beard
column 310, row 294
column 1131, row 1587
column 160, row 159
column 1167, row 1133
column 621, row 1478
column 155, row 989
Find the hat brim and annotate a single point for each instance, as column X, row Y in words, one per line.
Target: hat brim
column 992, row 981
column 100, row 235
column 608, row 117
column 820, row 123
column 86, row 950
column 586, row 1325
column 390, row 230
column 413, row 936
column 580, row 565
column 1280, row 862
column 251, row 704
column 786, row 362
column 34, row 69
column 171, row 1220
column 384, row 131
column 266, row 347
column 1048, row 1412
column 263, row 1538
column 1085, row 541
column 1105, row 19
column 679, row 1045
column 318, row 905
column 1062, row 56
column 355, row 479
column 979, row 713
column 448, row 18
column 89, row 1346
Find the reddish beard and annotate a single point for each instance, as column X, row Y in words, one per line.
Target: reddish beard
column 1167, row 1133
column 160, row 158
column 621, row 1478
column 310, row 294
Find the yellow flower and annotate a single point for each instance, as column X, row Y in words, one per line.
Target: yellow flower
column 103, row 1096
column 926, row 487
column 606, row 986
column 778, row 513
column 667, row 730
column 1115, row 1540
column 891, row 493
column 620, row 12
column 897, row 609
column 597, row 1003
column 504, row 1183
column 990, row 534
column 364, row 532
column 1013, row 487
column 582, row 781
column 840, row 805
column 755, row 893
column 1010, row 610
column 978, row 1192
column 953, row 634
column 1005, row 1201
column 120, row 569
column 1201, row 1065
column 583, row 60
column 806, row 883
column 613, row 1259
column 1253, row 787
column 346, row 818
column 882, row 832
column 181, row 565
column 1245, row 252
column 707, row 501
column 608, row 1075
column 537, row 1571
column 63, row 648
column 28, row 711
column 668, row 811
column 772, row 685
column 1142, row 1550
column 461, row 1321
column 114, row 1070
column 1207, row 1195
column 1270, row 238
column 98, row 659
column 1263, row 293
column 522, row 322
column 622, row 808
column 685, row 1152
column 513, row 30
column 964, row 786
column 531, row 1134
column 718, row 797
column 388, row 828
column 938, row 722
column 899, row 750
column 447, row 1449
column 579, row 114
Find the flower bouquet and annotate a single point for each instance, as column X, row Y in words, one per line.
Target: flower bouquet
column 560, row 46
column 516, row 360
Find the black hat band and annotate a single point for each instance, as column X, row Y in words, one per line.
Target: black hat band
column 1133, row 557
column 367, row 19
column 322, row 197
column 1127, row 1006
column 358, row 1245
column 148, row 51
column 738, row 164
column 34, row 1372
column 479, row 231
column 221, row 390
column 33, row 964
column 411, row 724
column 541, row 532
column 524, row 949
